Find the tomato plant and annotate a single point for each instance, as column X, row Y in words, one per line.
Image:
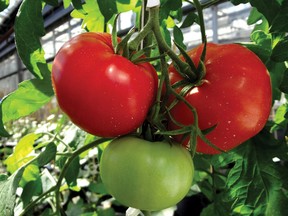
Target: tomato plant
column 103, row 93
column 146, row 175
column 235, row 96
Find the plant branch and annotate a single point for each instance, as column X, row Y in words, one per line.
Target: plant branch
column 33, row 203
column 67, row 164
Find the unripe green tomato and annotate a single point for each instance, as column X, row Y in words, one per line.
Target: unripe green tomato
column 146, row 175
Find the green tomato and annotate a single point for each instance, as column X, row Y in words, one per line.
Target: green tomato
column 146, row 175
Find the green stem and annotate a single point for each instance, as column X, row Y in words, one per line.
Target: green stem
column 201, row 20
column 153, row 26
column 67, row 164
column 169, row 90
column 32, row 204
column 164, row 47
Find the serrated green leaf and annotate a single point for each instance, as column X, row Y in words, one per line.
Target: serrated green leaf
column 255, row 178
column 22, row 151
column 93, row 20
column 28, row 172
column 30, row 96
column 29, row 28
column 8, row 187
column 3, row 4
column 263, row 39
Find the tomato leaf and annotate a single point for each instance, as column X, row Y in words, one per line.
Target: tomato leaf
column 107, row 8
column 189, row 20
column 178, row 37
column 254, row 16
column 31, row 189
column 77, row 4
column 47, row 155
column 8, row 188
column 3, row 4
column 22, row 150
column 93, row 20
column 30, row 96
column 22, row 156
column 167, row 7
column 276, row 12
column 255, row 180
column 72, row 172
column 29, row 28
column 262, row 52
column 24, row 166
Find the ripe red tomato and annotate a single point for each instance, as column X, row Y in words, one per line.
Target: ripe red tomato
column 146, row 175
column 235, row 96
column 103, row 93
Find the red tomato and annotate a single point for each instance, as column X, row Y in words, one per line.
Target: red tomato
column 235, row 96
column 103, row 93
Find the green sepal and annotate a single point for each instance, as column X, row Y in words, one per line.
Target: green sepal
column 188, row 61
column 123, row 45
column 114, row 33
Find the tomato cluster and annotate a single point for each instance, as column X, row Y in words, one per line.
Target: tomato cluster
column 108, row 95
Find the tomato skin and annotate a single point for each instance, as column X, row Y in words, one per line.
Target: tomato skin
column 146, row 175
column 235, row 96
column 103, row 93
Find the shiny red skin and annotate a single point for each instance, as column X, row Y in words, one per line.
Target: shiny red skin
column 235, row 96
column 103, row 93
